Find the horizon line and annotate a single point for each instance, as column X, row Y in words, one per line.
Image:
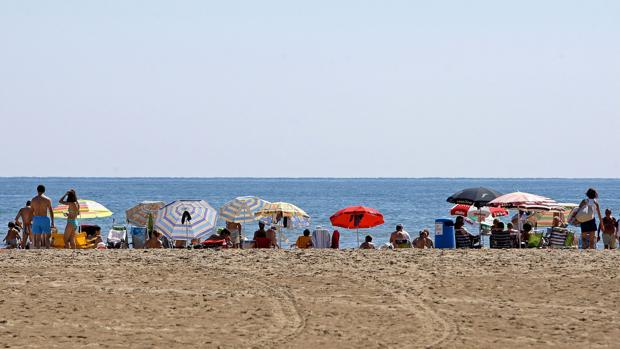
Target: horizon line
column 322, row 177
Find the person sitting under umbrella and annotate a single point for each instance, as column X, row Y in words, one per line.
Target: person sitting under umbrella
column 154, row 241
column 459, row 229
column 400, row 238
column 367, row 244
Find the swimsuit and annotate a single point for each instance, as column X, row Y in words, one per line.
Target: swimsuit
column 73, row 221
column 41, row 225
column 12, row 243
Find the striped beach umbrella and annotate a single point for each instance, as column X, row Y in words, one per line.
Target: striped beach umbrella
column 186, row 219
column 139, row 214
column 242, row 209
column 88, row 209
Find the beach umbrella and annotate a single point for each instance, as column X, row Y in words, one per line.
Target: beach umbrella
column 516, row 199
column 139, row 214
column 281, row 209
column 477, row 197
column 357, row 217
column 544, row 214
column 520, row 199
column 88, row 209
column 186, row 219
column 242, row 209
column 278, row 210
column 473, row 212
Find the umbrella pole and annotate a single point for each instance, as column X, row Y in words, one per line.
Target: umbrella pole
column 358, row 237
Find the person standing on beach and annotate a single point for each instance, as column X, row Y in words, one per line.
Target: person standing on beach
column 609, row 228
column 42, row 224
column 589, row 227
column 25, row 214
column 73, row 209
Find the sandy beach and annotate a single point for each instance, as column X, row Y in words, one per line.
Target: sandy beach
column 309, row 299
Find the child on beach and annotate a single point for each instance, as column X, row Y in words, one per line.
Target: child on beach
column 12, row 236
column 304, row 241
column 367, row 244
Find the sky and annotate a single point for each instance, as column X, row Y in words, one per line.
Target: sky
column 310, row 88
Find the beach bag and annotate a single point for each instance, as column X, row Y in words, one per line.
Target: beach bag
column 585, row 213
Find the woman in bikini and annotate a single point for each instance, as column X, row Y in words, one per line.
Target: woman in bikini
column 70, row 199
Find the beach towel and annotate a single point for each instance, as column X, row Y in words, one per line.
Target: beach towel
column 321, row 238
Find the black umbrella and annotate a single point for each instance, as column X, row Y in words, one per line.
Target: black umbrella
column 476, row 197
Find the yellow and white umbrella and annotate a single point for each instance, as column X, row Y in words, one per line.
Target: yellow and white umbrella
column 88, row 209
column 281, row 209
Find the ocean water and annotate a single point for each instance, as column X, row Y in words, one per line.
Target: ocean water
column 416, row 203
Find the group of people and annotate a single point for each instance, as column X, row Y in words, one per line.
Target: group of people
column 33, row 224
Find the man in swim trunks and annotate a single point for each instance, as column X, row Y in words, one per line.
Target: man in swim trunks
column 25, row 214
column 42, row 224
column 400, row 238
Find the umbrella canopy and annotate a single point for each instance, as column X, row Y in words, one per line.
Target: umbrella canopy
column 516, row 199
column 477, row 197
column 357, row 217
column 186, row 219
column 295, row 221
column 88, row 209
column 139, row 214
column 242, row 209
column 544, row 217
column 483, row 212
column 281, row 209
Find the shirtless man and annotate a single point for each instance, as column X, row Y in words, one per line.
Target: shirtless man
column 42, row 224
column 400, row 238
column 272, row 234
column 25, row 214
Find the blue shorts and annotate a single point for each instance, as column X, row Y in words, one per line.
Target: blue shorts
column 41, row 225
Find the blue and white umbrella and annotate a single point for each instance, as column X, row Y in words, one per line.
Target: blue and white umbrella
column 186, row 219
column 242, row 209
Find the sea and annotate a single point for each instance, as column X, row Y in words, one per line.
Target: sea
column 415, row 203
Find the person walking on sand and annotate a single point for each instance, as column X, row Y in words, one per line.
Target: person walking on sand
column 587, row 208
column 42, row 224
column 609, row 228
column 25, row 214
column 73, row 209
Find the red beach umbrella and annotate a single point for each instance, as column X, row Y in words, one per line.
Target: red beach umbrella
column 357, row 217
column 467, row 210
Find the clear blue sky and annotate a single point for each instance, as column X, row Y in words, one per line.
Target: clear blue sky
column 312, row 88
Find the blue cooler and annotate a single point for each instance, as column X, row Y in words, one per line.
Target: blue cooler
column 444, row 233
column 138, row 237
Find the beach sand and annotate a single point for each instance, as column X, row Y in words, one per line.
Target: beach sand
column 309, row 299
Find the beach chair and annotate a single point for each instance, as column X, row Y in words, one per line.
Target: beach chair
column 501, row 240
column 262, row 243
column 463, row 241
column 560, row 238
column 117, row 237
column 82, row 242
column 535, row 240
column 58, row 240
